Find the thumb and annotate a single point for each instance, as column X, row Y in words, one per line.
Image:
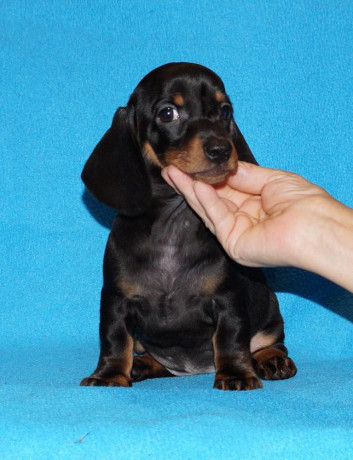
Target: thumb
column 251, row 178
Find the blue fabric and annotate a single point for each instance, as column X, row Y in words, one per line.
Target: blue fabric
column 65, row 67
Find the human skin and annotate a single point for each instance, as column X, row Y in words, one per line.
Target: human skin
column 265, row 217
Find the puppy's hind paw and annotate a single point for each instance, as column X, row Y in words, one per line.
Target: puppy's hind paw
column 272, row 364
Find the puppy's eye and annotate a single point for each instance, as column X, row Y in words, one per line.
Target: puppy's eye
column 226, row 111
column 168, row 114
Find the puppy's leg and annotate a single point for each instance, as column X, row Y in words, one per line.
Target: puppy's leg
column 270, row 356
column 146, row 367
column 273, row 363
column 234, row 370
column 116, row 357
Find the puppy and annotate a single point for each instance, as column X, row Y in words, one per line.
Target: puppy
column 170, row 292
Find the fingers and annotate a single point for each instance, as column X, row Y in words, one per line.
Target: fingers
column 225, row 211
column 215, row 205
column 251, row 178
column 231, row 195
column 229, row 222
column 219, row 213
column 173, row 176
column 184, row 184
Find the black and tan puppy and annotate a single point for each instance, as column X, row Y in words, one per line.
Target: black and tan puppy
column 170, row 292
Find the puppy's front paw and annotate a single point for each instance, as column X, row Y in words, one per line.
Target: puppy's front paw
column 246, row 382
column 117, row 381
column 276, row 368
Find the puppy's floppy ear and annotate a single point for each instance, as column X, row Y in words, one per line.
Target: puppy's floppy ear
column 115, row 173
column 241, row 146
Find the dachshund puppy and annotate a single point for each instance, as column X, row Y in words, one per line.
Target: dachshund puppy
column 170, row 292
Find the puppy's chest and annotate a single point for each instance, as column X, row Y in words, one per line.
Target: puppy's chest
column 169, row 256
column 170, row 252
column 166, row 261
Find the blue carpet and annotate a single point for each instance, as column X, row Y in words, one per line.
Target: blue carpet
column 65, row 67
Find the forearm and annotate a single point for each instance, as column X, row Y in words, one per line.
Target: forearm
column 328, row 249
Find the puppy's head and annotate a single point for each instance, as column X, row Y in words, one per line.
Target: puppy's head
column 184, row 117
column 178, row 114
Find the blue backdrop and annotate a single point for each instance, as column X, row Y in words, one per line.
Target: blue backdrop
column 65, row 67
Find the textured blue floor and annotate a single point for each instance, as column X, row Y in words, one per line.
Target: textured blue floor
column 65, row 67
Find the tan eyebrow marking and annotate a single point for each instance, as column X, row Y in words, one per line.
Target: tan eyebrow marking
column 220, row 96
column 178, row 99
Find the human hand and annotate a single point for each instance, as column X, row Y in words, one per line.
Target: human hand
column 259, row 215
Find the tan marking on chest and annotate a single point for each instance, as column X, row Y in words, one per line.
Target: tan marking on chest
column 129, row 289
column 211, row 283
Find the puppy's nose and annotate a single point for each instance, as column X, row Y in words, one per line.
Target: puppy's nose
column 217, row 151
